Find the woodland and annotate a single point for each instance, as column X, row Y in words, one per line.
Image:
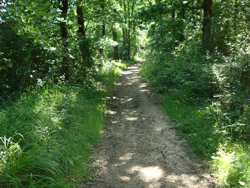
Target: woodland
column 58, row 59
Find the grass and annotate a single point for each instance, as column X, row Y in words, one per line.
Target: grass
column 195, row 123
column 111, row 70
column 228, row 159
column 231, row 165
column 47, row 135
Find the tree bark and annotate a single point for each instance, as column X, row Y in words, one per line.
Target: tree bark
column 84, row 43
column 134, row 35
column 64, row 35
column 206, row 29
column 173, row 14
column 103, row 21
column 130, row 16
column 129, row 44
column 236, row 11
column 116, row 50
column 182, row 16
column 103, row 28
column 125, row 31
column 124, row 37
column 80, row 20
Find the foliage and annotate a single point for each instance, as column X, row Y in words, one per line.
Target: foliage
column 16, row 70
column 231, row 165
column 46, row 42
column 197, row 52
column 110, row 70
column 209, row 137
column 183, row 76
column 200, row 60
column 232, row 75
column 55, row 68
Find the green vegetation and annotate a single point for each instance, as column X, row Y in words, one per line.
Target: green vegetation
column 196, row 124
column 215, row 132
column 198, row 57
column 231, row 165
column 51, row 42
column 59, row 57
column 49, row 134
column 228, row 159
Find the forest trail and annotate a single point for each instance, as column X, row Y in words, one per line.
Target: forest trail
column 140, row 148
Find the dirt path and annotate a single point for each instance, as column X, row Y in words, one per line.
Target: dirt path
column 139, row 148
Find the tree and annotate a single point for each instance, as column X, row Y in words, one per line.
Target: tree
column 206, row 28
column 63, row 6
column 115, row 38
column 83, row 43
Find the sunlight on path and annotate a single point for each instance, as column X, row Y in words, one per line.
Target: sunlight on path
column 139, row 148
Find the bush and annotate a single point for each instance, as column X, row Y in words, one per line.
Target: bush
column 187, row 77
column 232, row 75
column 23, row 62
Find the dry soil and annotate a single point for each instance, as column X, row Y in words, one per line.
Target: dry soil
column 139, row 147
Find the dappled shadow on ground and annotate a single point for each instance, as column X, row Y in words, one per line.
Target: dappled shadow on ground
column 139, row 147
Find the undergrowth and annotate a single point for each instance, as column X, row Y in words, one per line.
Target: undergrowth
column 195, row 123
column 208, row 98
column 47, row 135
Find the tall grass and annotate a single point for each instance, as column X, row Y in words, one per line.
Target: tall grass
column 47, row 135
column 196, row 124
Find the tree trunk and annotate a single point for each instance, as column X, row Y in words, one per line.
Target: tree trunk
column 182, row 27
column 130, row 16
column 173, row 14
column 103, row 29
column 103, row 21
column 124, row 37
column 124, row 41
column 128, row 45
column 80, row 20
column 63, row 25
column 64, row 35
column 84, row 43
column 134, row 34
column 236, row 11
column 206, row 29
column 103, row 24
column 125, row 31
column 116, row 50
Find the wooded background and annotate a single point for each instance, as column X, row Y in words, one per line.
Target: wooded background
column 196, row 51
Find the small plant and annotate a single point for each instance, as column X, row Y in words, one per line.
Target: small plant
column 231, row 165
column 9, row 152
